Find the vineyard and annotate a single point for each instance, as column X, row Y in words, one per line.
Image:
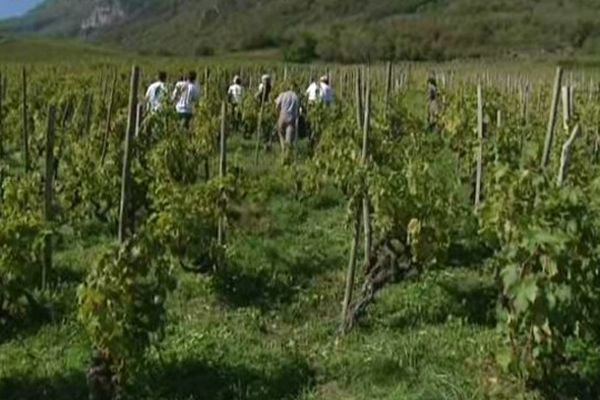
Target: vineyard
column 392, row 253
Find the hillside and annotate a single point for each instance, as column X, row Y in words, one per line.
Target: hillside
column 341, row 30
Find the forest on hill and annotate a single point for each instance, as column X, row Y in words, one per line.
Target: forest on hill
column 330, row 30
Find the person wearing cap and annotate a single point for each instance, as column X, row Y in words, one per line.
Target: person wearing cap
column 264, row 89
column 288, row 106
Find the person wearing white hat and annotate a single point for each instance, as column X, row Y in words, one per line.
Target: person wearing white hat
column 264, row 89
column 325, row 91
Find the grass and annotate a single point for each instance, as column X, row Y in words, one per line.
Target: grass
column 266, row 328
column 42, row 50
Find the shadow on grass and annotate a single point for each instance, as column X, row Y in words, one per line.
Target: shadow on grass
column 471, row 255
column 472, row 300
column 61, row 275
column 67, row 387
column 40, row 308
column 570, row 386
column 273, row 285
column 198, row 380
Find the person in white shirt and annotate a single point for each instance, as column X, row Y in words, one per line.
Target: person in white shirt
column 320, row 92
column 185, row 96
column 235, row 93
column 313, row 91
column 155, row 95
column 325, row 91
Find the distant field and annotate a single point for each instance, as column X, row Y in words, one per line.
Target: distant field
column 43, row 50
column 28, row 50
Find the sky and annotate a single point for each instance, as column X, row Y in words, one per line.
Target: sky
column 13, row 8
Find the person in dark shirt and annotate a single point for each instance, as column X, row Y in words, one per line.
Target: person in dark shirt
column 264, row 89
column 432, row 103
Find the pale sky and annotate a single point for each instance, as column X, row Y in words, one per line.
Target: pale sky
column 14, row 8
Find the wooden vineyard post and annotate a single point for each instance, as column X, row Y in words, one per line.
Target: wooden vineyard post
column 566, row 107
column 222, row 172
column 359, row 99
column 499, row 119
column 25, row 139
column 388, row 85
column 565, row 159
column 479, row 172
column 596, row 145
column 351, row 273
column 104, row 86
column 571, row 101
column 124, row 217
column 206, row 79
column 49, row 192
column 525, row 105
column 366, row 219
column 263, row 99
column 139, row 116
column 3, row 91
column 64, row 121
column 109, row 112
column 365, row 161
column 539, row 98
column 1, row 118
column 552, row 119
